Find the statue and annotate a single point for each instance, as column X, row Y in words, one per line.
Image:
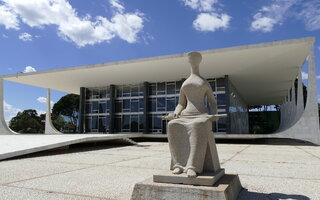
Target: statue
column 190, row 128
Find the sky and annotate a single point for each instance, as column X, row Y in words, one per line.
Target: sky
column 37, row 35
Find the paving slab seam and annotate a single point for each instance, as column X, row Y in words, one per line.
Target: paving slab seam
column 280, row 177
column 308, row 152
column 56, row 192
column 69, row 163
column 237, row 153
column 7, row 184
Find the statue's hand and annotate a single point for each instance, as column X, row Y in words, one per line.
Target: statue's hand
column 170, row 116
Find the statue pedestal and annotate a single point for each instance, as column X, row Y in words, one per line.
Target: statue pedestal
column 204, row 179
column 226, row 188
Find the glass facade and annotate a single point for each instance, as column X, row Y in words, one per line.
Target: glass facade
column 130, row 107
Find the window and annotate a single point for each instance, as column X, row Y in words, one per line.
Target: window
column 171, row 104
column 118, row 106
column 134, row 123
column 134, row 105
column 103, row 93
column 102, row 107
column 161, row 88
column 152, row 89
column 88, row 107
column 94, row 107
column 126, row 91
column 102, row 124
column 171, row 88
column 126, row 105
column 94, row 124
column 118, row 123
column 161, row 104
column 125, row 123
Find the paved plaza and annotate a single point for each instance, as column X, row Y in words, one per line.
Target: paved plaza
column 109, row 171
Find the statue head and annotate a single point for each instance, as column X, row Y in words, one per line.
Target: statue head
column 194, row 58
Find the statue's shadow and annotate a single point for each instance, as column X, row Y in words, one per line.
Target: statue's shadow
column 249, row 195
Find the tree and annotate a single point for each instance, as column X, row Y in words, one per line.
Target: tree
column 27, row 121
column 68, row 107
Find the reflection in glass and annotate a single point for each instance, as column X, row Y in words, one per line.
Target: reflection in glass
column 152, row 89
column 125, row 123
column 134, row 105
column 171, row 105
column 126, row 105
column 126, row 91
column 161, row 104
column 102, row 107
column 141, row 121
column 134, row 123
column 94, row 106
column 102, row 124
column 94, row 124
column 134, row 91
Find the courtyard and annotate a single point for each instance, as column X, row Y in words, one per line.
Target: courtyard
column 110, row 171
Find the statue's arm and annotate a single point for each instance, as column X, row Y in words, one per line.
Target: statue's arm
column 212, row 100
column 181, row 105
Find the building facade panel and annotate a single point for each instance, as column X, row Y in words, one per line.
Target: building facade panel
column 132, row 105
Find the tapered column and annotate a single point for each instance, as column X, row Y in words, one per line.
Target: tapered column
column 112, row 109
column 49, row 127
column 300, row 106
column 145, row 108
column 4, row 129
column 81, row 110
column 307, row 127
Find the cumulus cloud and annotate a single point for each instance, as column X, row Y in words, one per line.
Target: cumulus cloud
column 211, row 22
column 211, row 18
column 310, row 15
column 201, row 5
column 29, row 69
column 8, row 18
column 44, row 100
column 25, row 36
column 269, row 16
column 72, row 27
column 9, row 111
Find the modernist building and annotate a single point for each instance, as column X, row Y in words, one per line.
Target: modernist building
column 132, row 96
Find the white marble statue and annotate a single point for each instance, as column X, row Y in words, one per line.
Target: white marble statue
column 190, row 128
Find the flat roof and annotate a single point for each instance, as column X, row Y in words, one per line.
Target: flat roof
column 261, row 73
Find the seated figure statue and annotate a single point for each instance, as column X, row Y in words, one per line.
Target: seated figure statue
column 190, row 127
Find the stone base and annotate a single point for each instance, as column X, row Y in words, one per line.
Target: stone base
column 204, row 179
column 227, row 188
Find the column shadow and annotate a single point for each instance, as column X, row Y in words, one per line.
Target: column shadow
column 249, row 195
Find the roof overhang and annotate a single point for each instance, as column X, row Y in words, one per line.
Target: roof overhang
column 261, row 73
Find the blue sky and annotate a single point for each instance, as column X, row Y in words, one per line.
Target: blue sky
column 38, row 35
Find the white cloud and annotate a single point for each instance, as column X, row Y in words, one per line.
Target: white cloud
column 8, row 18
column 269, row 16
column 40, row 112
column 201, row 5
column 211, row 18
column 211, row 22
column 10, row 111
column 44, row 100
column 4, row 36
column 80, row 30
column 29, row 69
column 25, row 36
column 305, row 76
column 310, row 15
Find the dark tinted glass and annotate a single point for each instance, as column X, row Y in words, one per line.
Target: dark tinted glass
column 171, row 86
column 125, row 122
column 126, row 105
column 161, row 88
column 134, row 91
column 94, row 124
column 102, row 124
column 94, row 107
column 102, row 107
column 171, row 105
column 134, row 123
column 135, row 105
column 126, row 91
column 118, row 106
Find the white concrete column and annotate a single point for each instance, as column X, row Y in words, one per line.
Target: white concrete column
column 300, row 103
column 293, row 104
column 49, row 128
column 307, row 127
column 4, row 129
